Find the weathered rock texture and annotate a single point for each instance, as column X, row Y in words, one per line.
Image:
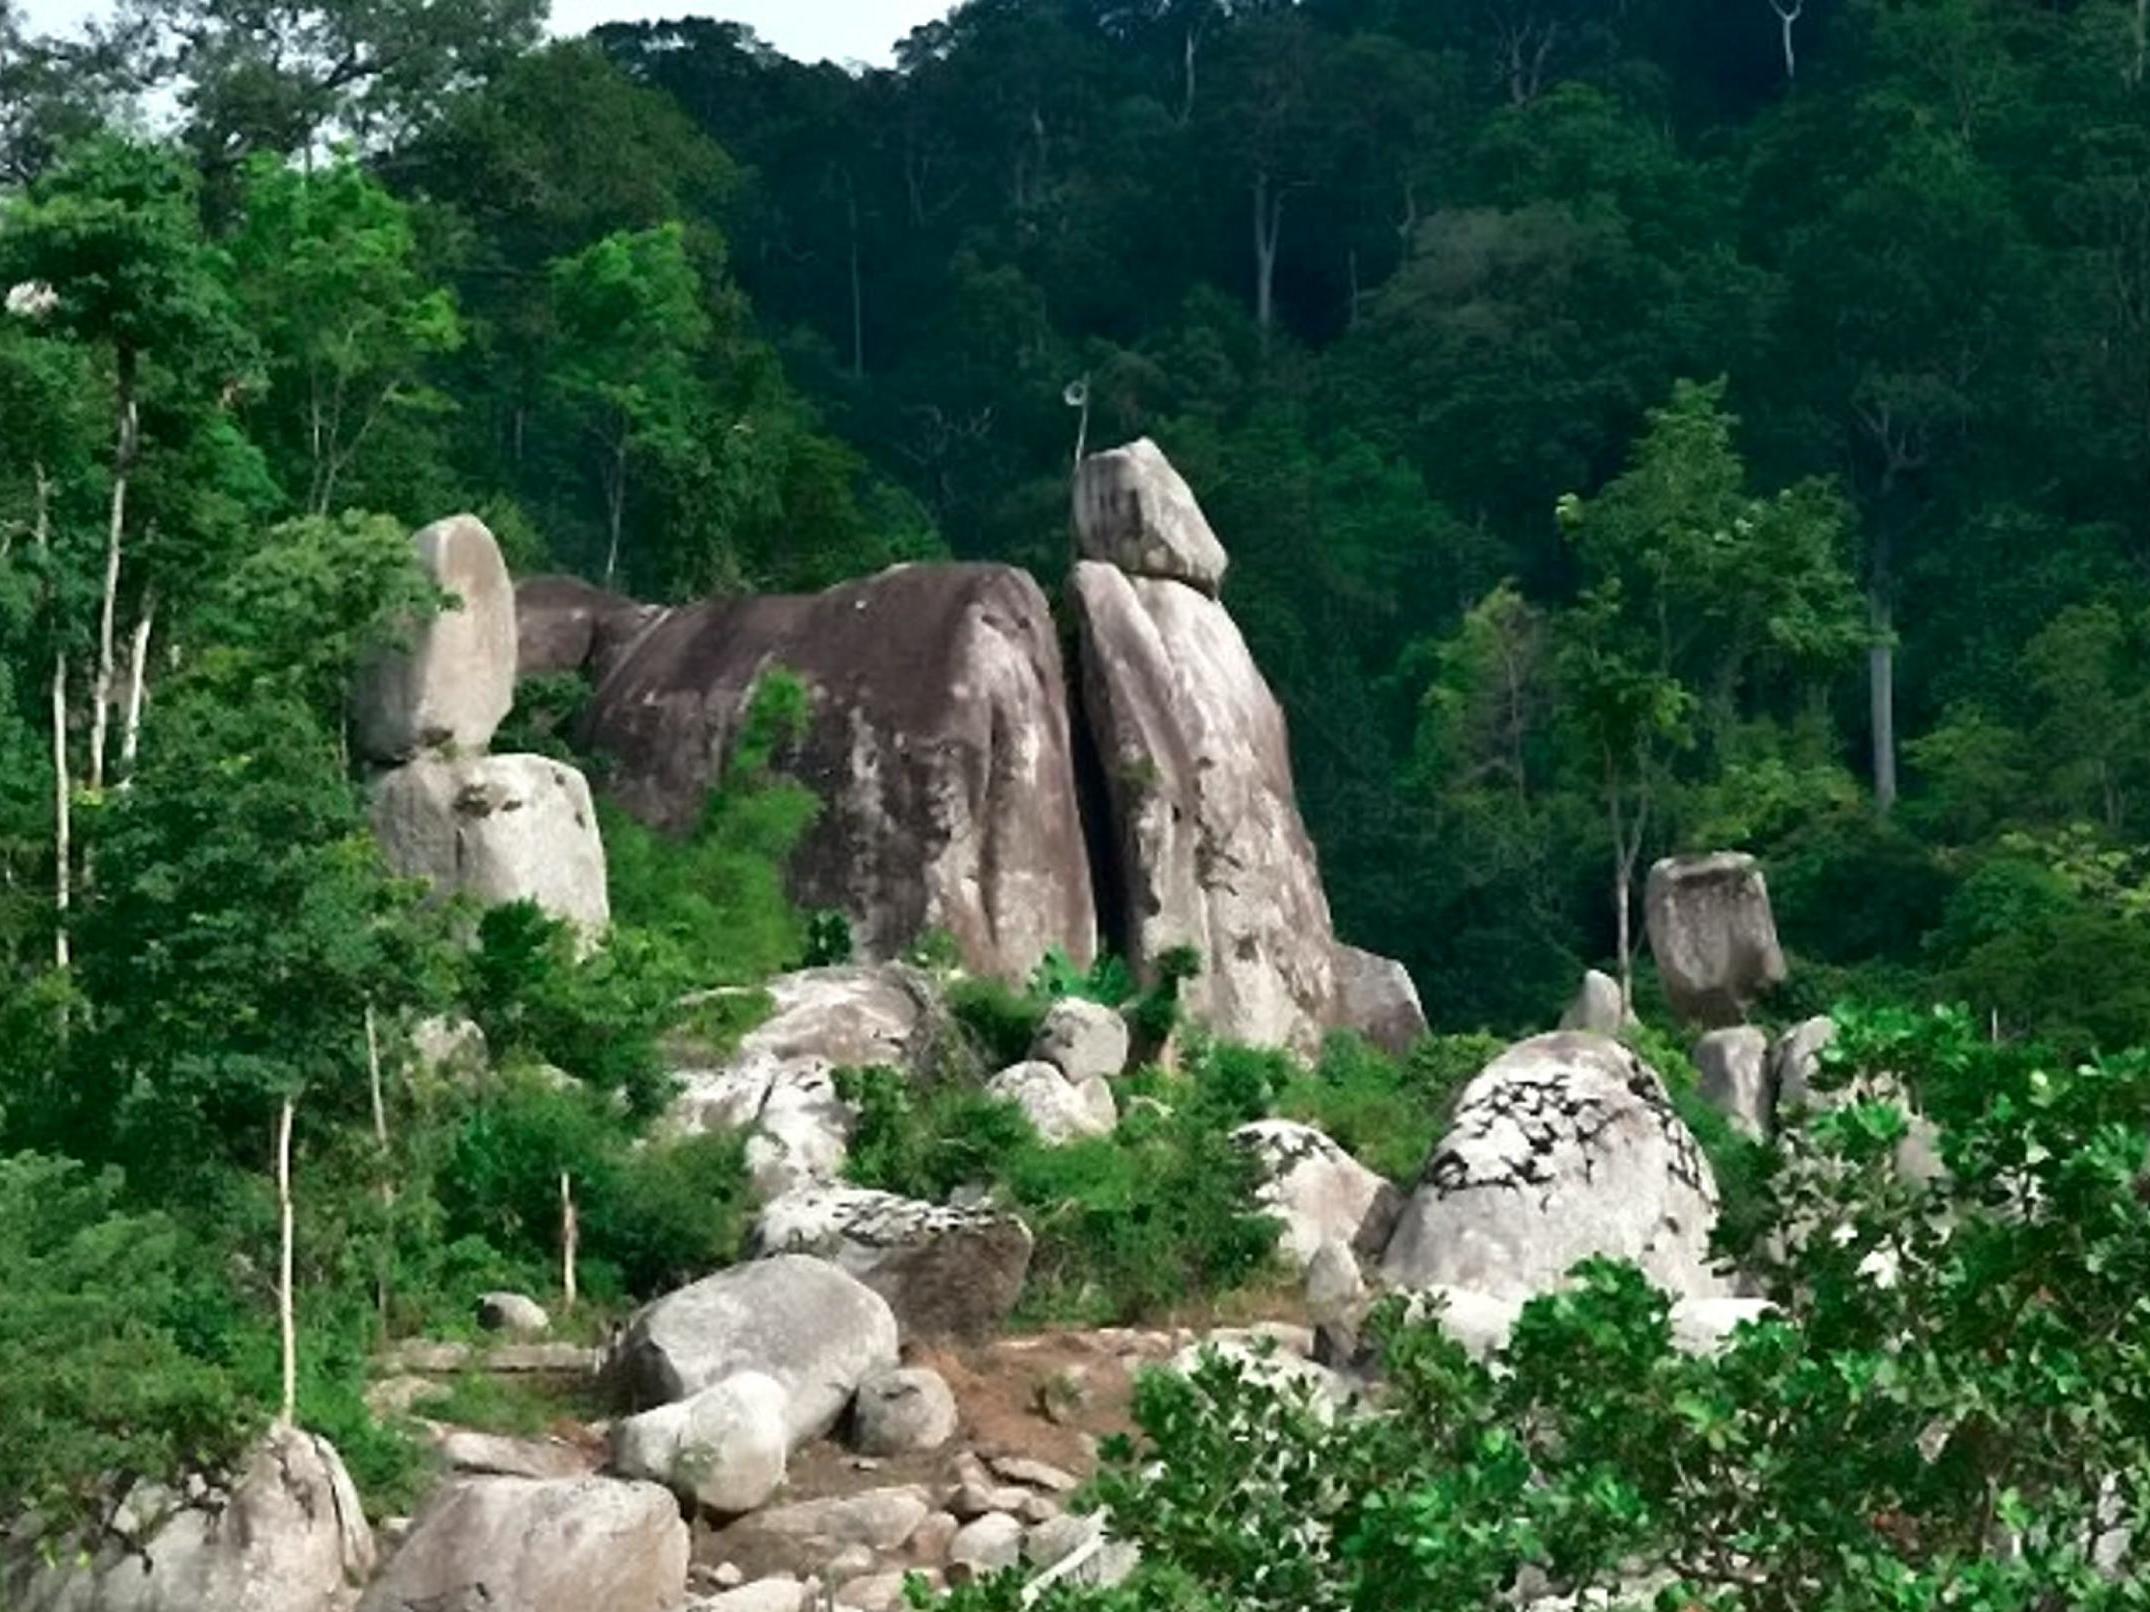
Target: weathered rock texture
column 288, row 1536
column 1734, row 1070
column 518, row 1545
column 1083, row 1040
column 901, row 1412
column 1564, row 1147
column 1060, row 1110
column 496, row 829
column 1134, row 511
column 1375, row 996
column 1318, row 1191
column 564, row 624
column 816, row 1330
column 779, row 1083
column 724, row 1448
column 945, row 1271
column 1713, row 935
column 452, row 683
column 1598, row 1006
column 1207, row 842
column 938, row 744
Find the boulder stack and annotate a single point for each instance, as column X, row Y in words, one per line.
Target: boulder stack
column 450, row 686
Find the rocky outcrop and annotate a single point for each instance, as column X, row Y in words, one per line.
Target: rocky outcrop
column 1598, row 1006
column 724, row 1448
column 1207, row 844
column 938, row 745
column 1376, row 998
column 779, row 1085
column 564, row 624
column 1318, row 1192
column 496, row 829
column 1083, row 1040
column 519, row 1545
column 1134, row 511
column 1797, row 1058
column 817, row 1331
column 1059, row 1110
column 1733, row 1070
column 289, row 1535
column 946, row 1271
column 449, row 687
column 1563, row 1148
column 1713, row 935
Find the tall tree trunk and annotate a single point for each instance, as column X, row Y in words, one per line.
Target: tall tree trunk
column 126, row 441
column 286, row 1313
column 615, row 506
column 130, row 743
column 1881, row 700
column 2142, row 42
column 1788, row 12
column 387, row 1186
column 1193, row 49
column 62, row 791
column 858, row 283
column 1268, row 231
column 570, row 1241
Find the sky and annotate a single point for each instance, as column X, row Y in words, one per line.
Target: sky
column 812, row 30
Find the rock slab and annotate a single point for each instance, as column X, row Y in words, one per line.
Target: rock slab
column 937, row 741
column 1713, row 935
column 1208, row 844
column 518, row 1545
column 1133, row 510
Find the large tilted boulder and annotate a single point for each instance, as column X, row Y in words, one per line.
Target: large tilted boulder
column 289, row 1535
column 1319, row 1192
column 525, row 1545
column 1060, row 1110
column 1563, row 1148
column 816, row 1330
column 1134, row 511
column 1713, row 935
column 1376, row 997
column 937, row 742
column 724, row 1448
column 1210, row 850
column 946, row 1271
column 564, row 624
column 496, row 829
column 778, row 1084
column 449, row 687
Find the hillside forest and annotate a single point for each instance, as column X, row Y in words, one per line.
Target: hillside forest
column 1638, row 426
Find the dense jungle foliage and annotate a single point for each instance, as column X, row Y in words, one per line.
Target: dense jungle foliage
column 1637, row 425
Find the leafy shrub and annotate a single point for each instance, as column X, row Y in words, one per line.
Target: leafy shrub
column 1000, row 1019
column 1106, row 980
column 1386, row 1112
column 98, row 1375
column 1862, row 1449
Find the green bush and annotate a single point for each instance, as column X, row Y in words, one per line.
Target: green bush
column 1386, row 1112
column 1001, row 1020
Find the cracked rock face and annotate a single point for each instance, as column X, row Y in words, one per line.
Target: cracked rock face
column 1320, row 1193
column 1565, row 1147
column 937, row 742
column 945, row 1271
column 1209, row 850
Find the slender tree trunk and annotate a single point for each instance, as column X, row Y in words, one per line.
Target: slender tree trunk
column 387, row 1186
column 1881, row 696
column 1788, row 13
column 1268, row 231
column 2142, row 41
column 286, row 1313
column 63, row 834
column 615, row 506
column 130, row 743
column 570, row 1241
column 1193, row 49
column 123, row 452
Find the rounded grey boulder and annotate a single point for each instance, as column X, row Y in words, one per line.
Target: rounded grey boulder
column 899, row 1412
column 816, row 1330
column 449, row 687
